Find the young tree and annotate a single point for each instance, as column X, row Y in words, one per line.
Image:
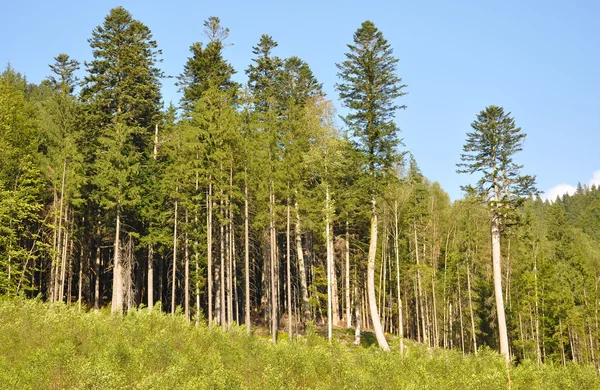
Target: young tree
column 489, row 150
column 369, row 88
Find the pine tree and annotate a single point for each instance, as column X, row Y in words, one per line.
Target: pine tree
column 369, row 87
column 489, row 150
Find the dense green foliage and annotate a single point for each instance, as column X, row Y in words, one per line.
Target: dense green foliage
column 44, row 347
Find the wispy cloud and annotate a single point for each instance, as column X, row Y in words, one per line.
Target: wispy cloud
column 561, row 189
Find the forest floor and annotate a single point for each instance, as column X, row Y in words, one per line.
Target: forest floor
column 44, row 347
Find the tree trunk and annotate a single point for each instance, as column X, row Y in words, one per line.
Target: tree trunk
column 357, row 314
column 117, row 297
column 289, row 270
column 329, row 260
column 246, row 254
column 187, row 271
column 371, row 281
column 209, row 250
column 301, row 267
column 273, row 260
column 150, row 277
column 80, row 282
column 503, row 335
column 348, row 305
column 419, row 287
column 151, row 246
column 97, row 271
column 174, row 265
column 460, row 313
column 397, row 253
column 63, row 264
column 473, row 334
column 60, row 246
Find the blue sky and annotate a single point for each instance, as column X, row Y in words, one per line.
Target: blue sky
column 540, row 60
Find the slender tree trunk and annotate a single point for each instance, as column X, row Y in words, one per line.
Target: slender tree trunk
column 151, row 246
column 209, row 250
column 53, row 265
column 63, row 264
column 117, row 298
column 80, row 281
column 97, row 270
column 289, row 270
column 357, row 314
column 174, row 265
column 150, row 277
column 497, row 270
column 246, row 254
column 537, row 317
column 273, row 261
column 335, row 303
column 222, row 281
column 348, row 303
column 419, row 287
column 460, row 313
column 187, row 270
column 397, row 253
column 329, row 260
column 473, row 334
column 301, row 266
column 371, row 281
column 60, row 233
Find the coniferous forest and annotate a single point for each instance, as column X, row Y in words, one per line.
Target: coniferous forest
column 259, row 208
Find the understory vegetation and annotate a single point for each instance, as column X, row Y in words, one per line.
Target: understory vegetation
column 45, row 347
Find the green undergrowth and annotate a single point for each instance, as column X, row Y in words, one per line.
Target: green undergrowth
column 43, row 347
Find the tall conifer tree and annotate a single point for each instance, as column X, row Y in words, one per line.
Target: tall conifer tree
column 369, row 87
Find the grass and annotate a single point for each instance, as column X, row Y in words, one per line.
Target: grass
column 43, row 347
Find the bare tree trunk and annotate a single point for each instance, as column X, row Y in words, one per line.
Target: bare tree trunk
column 397, row 253
column 473, row 334
column 222, row 281
column 246, row 253
column 150, row 277
column 59, row 256
column 348, row 303
column 357, row 314
column 273, row 260
column 174, row 265
column 371, row 281
column 209, row 250
column 117, row 298
column 80, row 281
column 53, row 265
column 301, row 267
column 537, row 317
column 419, row 287
column 335, row 304
column 329, row 260
column 289, row 270
column 97, row 270
column 503, row 335
column 63, row 264
column 151, row 246
column 460, row 313
column 187, row 270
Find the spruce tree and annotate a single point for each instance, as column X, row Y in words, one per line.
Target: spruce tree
column 489, row 151
column 122, row 90
column 369, row 87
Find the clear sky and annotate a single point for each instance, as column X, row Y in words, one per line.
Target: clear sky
column 540, row 60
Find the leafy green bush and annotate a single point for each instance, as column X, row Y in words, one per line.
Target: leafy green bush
column 43, row 347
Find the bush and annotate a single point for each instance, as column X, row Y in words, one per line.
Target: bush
column 43, row 347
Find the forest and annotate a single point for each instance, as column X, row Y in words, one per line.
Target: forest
column 248, row 206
